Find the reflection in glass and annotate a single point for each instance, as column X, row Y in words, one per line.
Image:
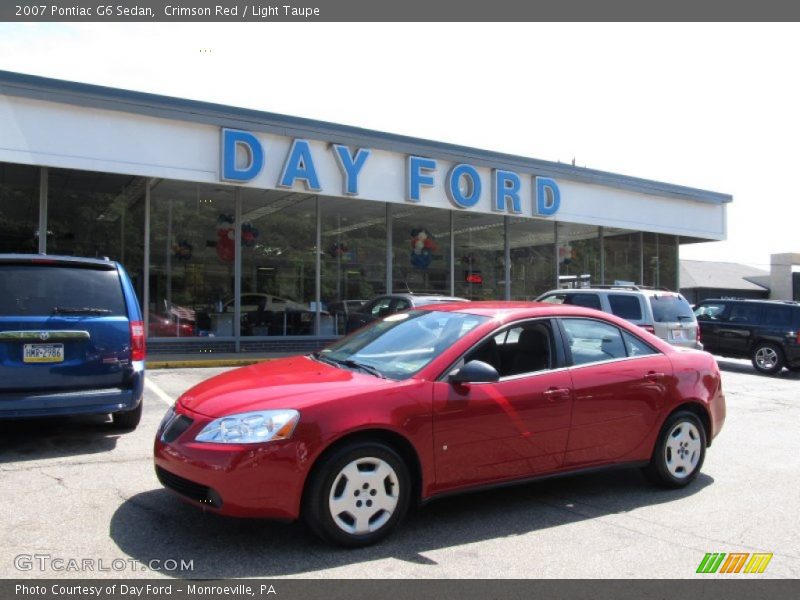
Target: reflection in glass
column 421, row 250
column 660, row 260
column 578, row 255
column 98, row 215
column 19, row 208
column 353, row 258
column 278, row 263
column 621, row 256
column 192, row 254
column 532, row 257
column 479, row 256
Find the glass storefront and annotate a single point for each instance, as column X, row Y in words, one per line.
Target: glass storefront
column 420, row 250
column 19, row 208
column 305, row 261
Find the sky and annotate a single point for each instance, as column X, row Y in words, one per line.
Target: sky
column 711, row 106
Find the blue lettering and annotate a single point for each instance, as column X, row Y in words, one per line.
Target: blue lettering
column 469, row 175
column 548, row 197
column 299, row 166
column 506, row 185
column 350, row 166
column 416, row 177
column 233, row 139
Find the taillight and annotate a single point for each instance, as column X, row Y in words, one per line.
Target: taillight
column 697, row 335
column 137, row 340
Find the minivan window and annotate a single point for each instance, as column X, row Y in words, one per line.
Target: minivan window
column 670, row 308
column 745, row 313
column 710, row 311
column 778, row 316
column 625, row 306
column 27, row 290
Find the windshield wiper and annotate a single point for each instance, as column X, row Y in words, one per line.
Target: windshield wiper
column 318, row 356
column 60, row 310
column 368, row 368
column 682, row 317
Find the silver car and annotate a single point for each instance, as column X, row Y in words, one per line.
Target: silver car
column 661, row 312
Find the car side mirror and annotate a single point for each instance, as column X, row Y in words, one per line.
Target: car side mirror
column 475, row 371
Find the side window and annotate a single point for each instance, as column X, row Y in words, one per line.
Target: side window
column 586, row 300
column 626, row 306
column 555, row 299
column 379, row 307
column 635, row 346
column 516, row 351
column 401, row 304
column 710, row 312
column 745, row 313
column 778, row 316
column 593, row 341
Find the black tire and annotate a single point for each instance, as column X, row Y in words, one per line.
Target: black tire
column 675, row 469
column 329, row 483
column 767, row 358
column 127, row 420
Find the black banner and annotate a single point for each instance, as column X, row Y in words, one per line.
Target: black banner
column 150, row 11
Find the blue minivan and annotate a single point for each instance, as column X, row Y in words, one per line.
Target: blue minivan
column 71, row 339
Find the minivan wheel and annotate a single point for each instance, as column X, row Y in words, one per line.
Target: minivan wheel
column 128, row 419
column 767, row 358
column 357, row 495
column 679, row 452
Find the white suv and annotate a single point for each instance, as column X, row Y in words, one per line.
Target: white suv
column 663, row 313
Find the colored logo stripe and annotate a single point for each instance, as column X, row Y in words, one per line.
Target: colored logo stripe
column 758, row 563
column 713, row 562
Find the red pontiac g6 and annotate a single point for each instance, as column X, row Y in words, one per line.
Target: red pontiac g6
column 437, row 400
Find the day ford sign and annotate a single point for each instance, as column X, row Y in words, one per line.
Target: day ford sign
column 243, row 158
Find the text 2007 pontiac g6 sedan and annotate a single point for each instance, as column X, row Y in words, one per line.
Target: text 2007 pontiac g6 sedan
column 438, row 400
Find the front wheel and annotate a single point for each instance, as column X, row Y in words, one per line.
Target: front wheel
column 679, row 452
column 358, row 494
column 767, row 358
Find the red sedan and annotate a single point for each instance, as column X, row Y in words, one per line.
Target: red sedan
column 438, row 400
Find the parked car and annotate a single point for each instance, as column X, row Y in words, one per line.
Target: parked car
column 765, row 331
column 71, row 339
column 439, row 399
column 389, row 304
column 169, row 326
column 661, row 312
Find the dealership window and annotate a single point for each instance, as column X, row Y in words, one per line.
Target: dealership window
column 278, row 263
column 420, row 250
column 479, row 251
column 621, row 251
column 660, row 260
column 96, row 215
column 578, row 255
column 532, row 243
column 352, row 257
column 19, row 208
column 192, row 255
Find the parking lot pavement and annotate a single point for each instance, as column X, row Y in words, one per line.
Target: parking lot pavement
column 75, row 489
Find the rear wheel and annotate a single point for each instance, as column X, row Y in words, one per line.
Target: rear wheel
column 767, row 358
column 129, row 419
column 358, row 494
column 679, row 452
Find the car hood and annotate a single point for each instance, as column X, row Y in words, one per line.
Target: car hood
column 295, row 382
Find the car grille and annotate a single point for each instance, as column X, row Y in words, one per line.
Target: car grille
column 194, row 491
column 175, row 427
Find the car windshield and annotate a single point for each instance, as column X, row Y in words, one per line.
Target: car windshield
column 671, row 308
column 402, row 344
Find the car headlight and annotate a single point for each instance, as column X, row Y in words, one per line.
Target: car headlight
column 251, row 427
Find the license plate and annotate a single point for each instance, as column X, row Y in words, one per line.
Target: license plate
column 43, row 353
column 678, row 335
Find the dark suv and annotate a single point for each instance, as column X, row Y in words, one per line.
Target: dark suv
column 765, row 331
column 71, row 339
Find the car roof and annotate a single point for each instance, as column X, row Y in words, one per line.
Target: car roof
column 514, row 309
column 56, row 259
column 752, row 301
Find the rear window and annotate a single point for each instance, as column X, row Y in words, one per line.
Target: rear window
column 670, row 308
column 778, row 316
column 33, row 290
column 625, row 307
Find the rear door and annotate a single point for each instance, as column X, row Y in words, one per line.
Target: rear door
column 62, row 326
column 673, row 319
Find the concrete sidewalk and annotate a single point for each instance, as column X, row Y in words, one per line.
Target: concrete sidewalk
column 211, row 359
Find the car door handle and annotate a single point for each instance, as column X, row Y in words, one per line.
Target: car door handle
column 654, row 377
column 554, row 393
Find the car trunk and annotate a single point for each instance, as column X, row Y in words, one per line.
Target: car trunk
column 62, row 327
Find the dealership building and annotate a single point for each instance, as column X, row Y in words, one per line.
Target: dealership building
column 245, row 230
